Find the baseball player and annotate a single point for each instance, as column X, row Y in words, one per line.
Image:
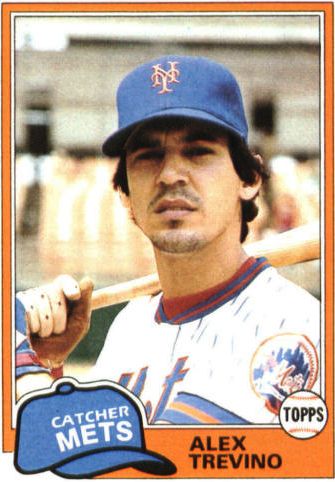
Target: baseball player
column 228, row 338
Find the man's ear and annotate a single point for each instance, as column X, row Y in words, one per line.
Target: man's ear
column 125, row 200
column 250, row 191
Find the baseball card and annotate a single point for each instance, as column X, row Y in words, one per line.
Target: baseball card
column 167, row 240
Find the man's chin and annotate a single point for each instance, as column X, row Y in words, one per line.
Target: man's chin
column 177, row 242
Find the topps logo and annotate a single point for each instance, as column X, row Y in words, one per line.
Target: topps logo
column 303, row 414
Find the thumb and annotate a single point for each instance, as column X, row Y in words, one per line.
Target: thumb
column 81, row 309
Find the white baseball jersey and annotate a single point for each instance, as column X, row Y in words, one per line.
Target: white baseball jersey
column 228, row 359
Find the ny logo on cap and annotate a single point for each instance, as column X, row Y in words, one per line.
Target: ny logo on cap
column 161, row 78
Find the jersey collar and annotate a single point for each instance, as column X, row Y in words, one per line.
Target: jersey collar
column 201, row 304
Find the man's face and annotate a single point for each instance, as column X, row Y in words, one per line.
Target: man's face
column 183, row 190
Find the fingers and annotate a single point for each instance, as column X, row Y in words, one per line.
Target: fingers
column 42, row 313
column 81, row 310
column 58, row 306
column 46, row 306
column 37, row 308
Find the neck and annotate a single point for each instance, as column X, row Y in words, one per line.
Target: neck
column 185, row 274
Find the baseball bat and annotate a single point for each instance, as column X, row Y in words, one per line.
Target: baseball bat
column 294, row 246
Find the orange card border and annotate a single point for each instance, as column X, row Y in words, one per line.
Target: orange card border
column 155, row 436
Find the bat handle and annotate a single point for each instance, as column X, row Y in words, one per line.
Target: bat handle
column 147, row 285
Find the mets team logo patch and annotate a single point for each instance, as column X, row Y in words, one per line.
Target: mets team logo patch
column 163, row 78
column 281, row 365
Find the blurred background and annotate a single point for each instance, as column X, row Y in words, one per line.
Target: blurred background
column 68, row 219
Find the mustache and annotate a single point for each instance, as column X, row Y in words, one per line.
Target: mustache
column 179, row 192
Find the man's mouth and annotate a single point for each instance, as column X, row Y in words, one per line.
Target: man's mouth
column 174, row 208
column 173, row 205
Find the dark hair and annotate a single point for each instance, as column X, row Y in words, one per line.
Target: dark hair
column 248, row 167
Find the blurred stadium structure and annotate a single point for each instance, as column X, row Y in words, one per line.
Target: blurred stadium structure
column 68, row 218
column 65, row 99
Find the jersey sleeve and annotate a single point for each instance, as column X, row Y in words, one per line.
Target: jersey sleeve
column 26, row 359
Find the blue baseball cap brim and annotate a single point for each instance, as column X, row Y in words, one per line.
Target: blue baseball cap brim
column 108, row 460
column 114, row 144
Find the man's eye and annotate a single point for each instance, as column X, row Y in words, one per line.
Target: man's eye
column 152, row 155
column 198, row 151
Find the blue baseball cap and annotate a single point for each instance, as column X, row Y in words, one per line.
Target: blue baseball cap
column 183, row 86
column 80, row 431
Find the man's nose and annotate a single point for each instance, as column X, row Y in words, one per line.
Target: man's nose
column 172, row 169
